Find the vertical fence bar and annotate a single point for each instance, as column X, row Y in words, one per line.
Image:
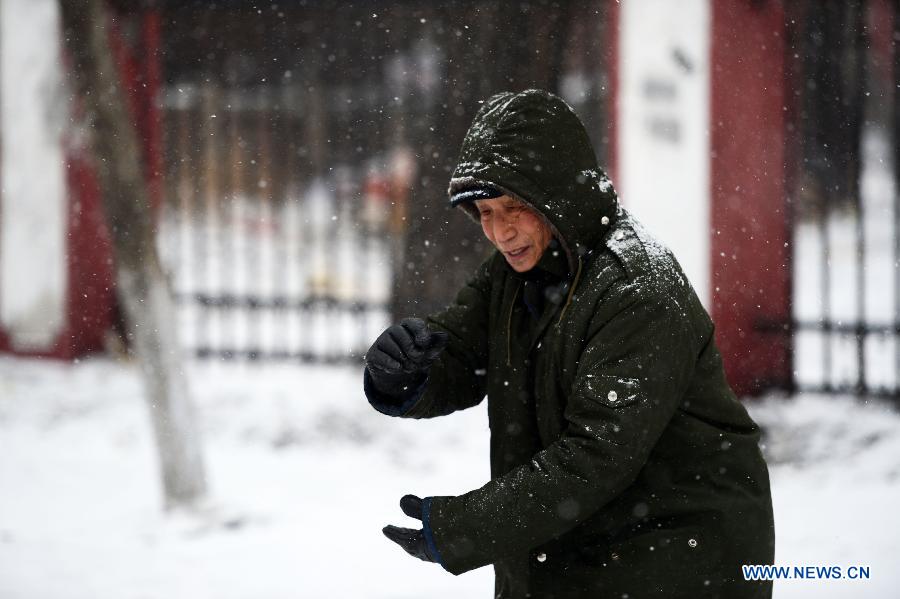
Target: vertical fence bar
column 290, row 221
column 237, row 252
column 198, row 220
column 251, row 228
column 167, row 235
column 183, row 191
column 861, row 56
column 266, row 222
column 861, row 322
column 279, row 229
column 828, row 381
column 316, row 139
column 211, row 193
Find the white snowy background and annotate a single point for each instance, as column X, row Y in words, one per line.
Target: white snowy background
column 303, row 475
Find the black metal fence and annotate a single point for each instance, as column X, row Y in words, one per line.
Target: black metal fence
column 264, row 265
column 294, row 134
column 846, row 217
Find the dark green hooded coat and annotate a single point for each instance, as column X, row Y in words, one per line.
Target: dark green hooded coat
column 621, row 462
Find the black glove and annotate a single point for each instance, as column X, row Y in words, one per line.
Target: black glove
column 412, row 541
column 398, row 361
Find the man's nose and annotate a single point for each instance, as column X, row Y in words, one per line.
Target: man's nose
column 504, row 230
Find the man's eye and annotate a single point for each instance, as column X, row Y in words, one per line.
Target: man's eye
column 485, row 214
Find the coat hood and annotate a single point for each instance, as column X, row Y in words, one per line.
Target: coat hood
column 533, row 146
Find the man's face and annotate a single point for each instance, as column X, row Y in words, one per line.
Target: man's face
column 515, row 229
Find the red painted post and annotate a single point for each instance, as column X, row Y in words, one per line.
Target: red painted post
column 151, row 114
column 90, row 292
column 90, row 296
column 750, row 232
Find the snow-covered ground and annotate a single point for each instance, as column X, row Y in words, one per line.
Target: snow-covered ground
column 303, row 476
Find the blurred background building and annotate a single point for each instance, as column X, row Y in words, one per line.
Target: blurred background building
column 298, row 156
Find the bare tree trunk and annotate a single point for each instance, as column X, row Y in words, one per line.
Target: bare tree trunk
column 141, row 285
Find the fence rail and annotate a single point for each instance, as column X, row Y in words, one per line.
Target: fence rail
column 846, row 316
column 268, row 260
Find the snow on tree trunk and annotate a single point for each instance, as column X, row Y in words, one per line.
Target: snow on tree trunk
column 141, row 285
column 150, row 314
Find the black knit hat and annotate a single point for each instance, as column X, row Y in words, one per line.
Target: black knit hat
column 470, row 194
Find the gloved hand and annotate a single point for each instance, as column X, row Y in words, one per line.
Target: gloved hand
column 412, row 541
column 398, row 361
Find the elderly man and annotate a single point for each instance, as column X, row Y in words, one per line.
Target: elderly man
column 622, row 465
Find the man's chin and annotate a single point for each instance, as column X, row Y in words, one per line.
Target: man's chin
column 523, row 265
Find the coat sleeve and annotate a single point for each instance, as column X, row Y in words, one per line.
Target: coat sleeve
column 630, row 377
column 456, row 380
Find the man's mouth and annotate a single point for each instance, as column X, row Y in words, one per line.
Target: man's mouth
column 517, row 252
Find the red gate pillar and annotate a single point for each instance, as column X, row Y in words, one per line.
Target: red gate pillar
column 90, row 301
column 751, row 273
